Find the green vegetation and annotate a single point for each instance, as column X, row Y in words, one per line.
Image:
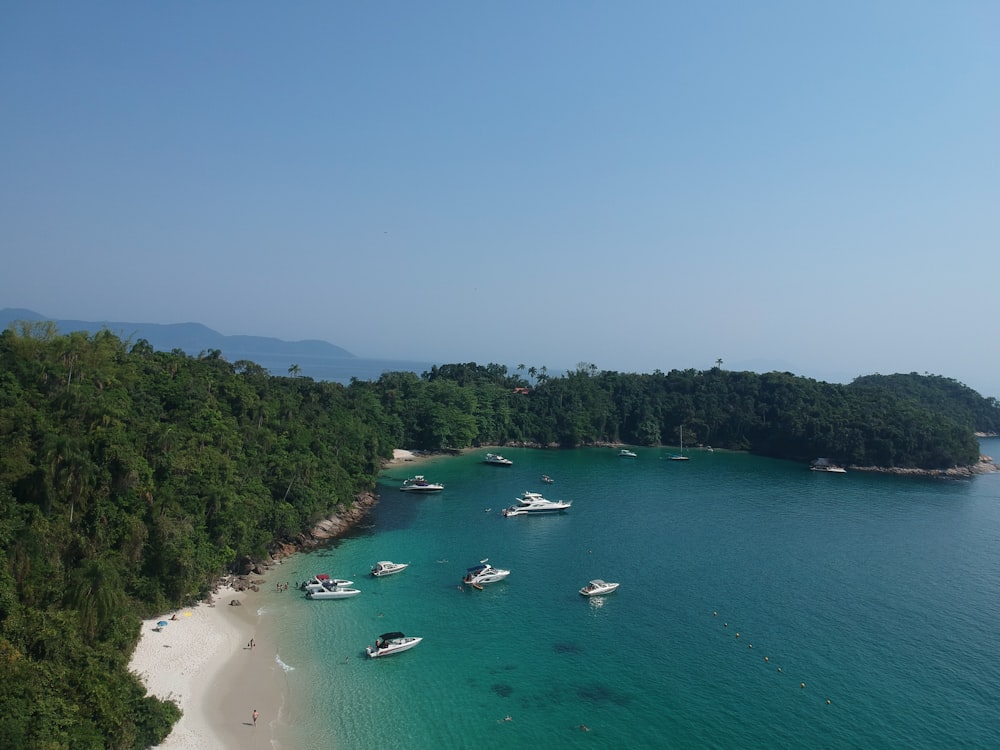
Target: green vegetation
column 906, row 421
column 131, row 479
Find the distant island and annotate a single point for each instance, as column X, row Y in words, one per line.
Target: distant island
column 190, row 338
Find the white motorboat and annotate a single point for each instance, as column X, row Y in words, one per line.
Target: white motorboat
column 333, row 592
column 547, row 479
column 420, row 484
column 626, row 453
column 484, row 573
column 323, row 581
column 829, row 469
column 822, row 464
column 316, row 580
column 388, row 644
column 387, row 568
column 598, row 587
column 497, row 460
column 532, row 503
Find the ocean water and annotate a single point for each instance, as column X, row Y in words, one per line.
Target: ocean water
column 336, row 369
column 761, row 606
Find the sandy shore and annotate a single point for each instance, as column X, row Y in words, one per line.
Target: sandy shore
column 400, row 456
column 203, row 662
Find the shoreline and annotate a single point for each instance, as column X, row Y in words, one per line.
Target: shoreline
column 194, row 660
column 201, row 661
column 247, row 680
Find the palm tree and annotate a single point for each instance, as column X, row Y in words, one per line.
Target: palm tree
column 294, row 371
column 718, row 363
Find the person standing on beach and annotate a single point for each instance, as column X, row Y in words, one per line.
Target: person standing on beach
column 255, row 715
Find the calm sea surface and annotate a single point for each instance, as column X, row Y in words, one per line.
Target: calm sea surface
column 761, row 606
column 337, row 370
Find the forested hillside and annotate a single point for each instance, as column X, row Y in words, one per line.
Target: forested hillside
column 130, row 479
column 941, row 394
column 930, row 425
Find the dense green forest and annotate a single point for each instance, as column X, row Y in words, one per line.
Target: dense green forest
column 907, row 421
column 130, row 479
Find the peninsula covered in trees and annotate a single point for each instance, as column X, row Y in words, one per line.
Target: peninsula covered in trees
column 131, row 479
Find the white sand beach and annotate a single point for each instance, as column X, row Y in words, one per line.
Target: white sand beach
column 202, row 661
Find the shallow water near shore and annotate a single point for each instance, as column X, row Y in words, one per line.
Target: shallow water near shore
column 879, row 594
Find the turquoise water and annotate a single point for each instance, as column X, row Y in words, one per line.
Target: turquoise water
column 881, row 594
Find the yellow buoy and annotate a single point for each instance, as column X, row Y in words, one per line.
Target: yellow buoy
column 828, row 701
column 802, row 685
column 766, row 659
column 737, row 635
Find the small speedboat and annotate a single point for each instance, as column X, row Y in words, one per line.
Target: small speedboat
column 333, row 592
column 323, row 581
column 387, row 568
column 626, row 453
column 497, row 460
column 484, row 573
column 420, row 484
column 547, row 479
column 598, row 587
column 316, row 580
column 388, row 644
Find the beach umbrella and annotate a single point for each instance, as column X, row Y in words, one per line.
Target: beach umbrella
column 162, row 624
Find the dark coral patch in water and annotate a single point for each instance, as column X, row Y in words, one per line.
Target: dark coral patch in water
column 566, row 648
column 598, row 693
column 502, row 689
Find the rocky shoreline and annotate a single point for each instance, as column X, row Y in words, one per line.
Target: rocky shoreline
column 985, row 466
column 322, row 532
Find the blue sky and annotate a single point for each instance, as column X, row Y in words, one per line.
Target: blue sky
column 802, row 186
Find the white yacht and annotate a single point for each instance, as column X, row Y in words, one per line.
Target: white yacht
column 532, row 503
column 824, row 464
column 420, row 484
column 392, row 643
column 483, row 573
column 387, row 568
column 333, row 592
column 626, row 453
column 497, row 460
column 598, row 587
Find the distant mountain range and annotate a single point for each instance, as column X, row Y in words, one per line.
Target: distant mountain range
column 191, row 338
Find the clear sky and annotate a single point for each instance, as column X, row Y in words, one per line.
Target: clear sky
column 783, row 184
